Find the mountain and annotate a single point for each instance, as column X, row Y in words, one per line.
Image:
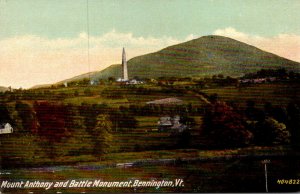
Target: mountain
column 208, row 55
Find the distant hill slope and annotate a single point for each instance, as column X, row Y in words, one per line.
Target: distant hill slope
column 3, row 89
column 79, row 77
column 41, row 86
column 82, row 76
column 207, row 55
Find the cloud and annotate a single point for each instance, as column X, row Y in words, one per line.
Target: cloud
column 231, row 32
column 285, row 45
column 29, row 60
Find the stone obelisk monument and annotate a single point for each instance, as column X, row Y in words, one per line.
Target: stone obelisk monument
column 124, row 66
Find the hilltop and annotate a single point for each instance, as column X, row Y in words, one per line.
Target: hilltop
column 3, row 89
column 207, row 55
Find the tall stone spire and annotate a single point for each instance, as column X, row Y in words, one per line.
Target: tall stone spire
column 124, row 66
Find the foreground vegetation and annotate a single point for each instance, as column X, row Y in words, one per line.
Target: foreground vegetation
column 82, row 122
column 108, row 131
column 235, row 174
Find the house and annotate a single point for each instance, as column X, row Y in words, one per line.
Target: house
column 257, row 80
column 121, row 80
column 134, row 82
column 5, row 128
column 172, row 124
column 164, row 122
column 129, row 82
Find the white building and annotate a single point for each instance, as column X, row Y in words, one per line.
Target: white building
column 5, row 128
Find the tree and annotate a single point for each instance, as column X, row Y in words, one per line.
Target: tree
column 220, row 76
column 101, row 134
column 89, row 114
column 281, row 134
column 213, row 98
column 268, row 108
column 4, row 114
column 53, row 128
column 254, row 113
column 280, row 114
column 270, row 131
column 84, row 82
column 52, row 119
column 79, row 141
column 186, row 120
column 184, row 139
column 122, row 119
column 294, row 123
column 28, row 117
column 111, row 79
column 225, row 126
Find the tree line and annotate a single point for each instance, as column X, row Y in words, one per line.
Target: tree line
column 46, row 130
column 229, row 127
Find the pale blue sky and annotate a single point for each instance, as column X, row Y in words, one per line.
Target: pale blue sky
column 157, row 18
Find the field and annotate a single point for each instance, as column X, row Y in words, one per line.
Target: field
column 235, row 173
column 146, row 136
column 114, row 95
column 278, row 94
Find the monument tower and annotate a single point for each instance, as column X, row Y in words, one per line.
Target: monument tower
column 124, row 66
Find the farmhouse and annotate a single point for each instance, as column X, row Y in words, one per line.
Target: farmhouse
column 5, row 128
column 168, row 123
column 134, row 82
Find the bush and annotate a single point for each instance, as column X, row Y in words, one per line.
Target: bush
column 269, row 132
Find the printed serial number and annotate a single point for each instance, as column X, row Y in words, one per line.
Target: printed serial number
column 288, row 181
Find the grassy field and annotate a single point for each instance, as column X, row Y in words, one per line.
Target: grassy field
column 146, row 135
column 128, row 96
column 222, row 175
column 279, row 94
column 97, row 99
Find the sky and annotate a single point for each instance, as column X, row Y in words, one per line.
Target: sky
column 46, row 41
